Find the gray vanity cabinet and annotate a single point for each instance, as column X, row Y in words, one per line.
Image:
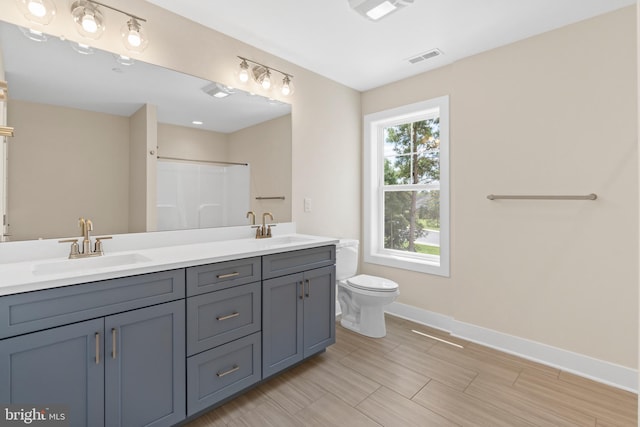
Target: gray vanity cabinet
column 298, row 309
column 145, row 366
column 118, row 361
column 223, row 331
column 57, row 366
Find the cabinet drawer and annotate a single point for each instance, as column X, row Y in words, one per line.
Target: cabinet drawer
column 219, row 317
column 221, row 372
column 222, row 275
column 44, row 309
column 296, row 261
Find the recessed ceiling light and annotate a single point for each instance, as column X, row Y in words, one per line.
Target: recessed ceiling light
column 381, row 10
column 376, row 9
column 197, row 122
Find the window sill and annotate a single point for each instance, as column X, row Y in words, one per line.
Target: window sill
column 422, row 265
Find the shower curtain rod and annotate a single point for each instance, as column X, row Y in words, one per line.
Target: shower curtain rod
column 215, row 162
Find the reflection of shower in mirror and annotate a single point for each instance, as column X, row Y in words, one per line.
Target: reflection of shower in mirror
column 196, row 195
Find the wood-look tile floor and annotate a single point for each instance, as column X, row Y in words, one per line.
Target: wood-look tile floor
column 406, row 379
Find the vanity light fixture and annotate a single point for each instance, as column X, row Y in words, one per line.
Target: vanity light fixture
column 261, row 74
column 90, row 23
column 38, row 11
column 88, row 19
column 377, row 9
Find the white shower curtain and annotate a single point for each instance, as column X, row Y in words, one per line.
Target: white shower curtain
column 195, row 195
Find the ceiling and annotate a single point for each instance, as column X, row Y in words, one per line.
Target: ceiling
column 331, row 39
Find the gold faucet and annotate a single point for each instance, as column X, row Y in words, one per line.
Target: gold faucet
column 253, row 217
column 86, row 227
column 264, row 231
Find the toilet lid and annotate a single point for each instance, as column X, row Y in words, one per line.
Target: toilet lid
column 372, row 283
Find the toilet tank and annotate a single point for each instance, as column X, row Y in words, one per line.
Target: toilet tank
column 346, row 258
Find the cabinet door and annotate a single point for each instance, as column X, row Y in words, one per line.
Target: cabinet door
column 319, row 309
column 282, row 303
column 61, row 366
column 145, row 366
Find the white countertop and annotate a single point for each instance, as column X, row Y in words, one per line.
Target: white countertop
column 44, row 273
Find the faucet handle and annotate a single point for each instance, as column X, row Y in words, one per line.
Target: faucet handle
column 75, row 248
column 98, row 245
column 269, row 229
column 259, row 230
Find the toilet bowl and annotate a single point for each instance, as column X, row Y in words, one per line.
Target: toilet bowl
column 362, row 298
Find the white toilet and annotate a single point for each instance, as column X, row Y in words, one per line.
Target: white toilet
column 362, row 298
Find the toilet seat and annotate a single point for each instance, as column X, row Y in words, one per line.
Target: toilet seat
column 372, row 283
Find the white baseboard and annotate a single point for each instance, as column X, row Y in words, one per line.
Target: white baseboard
column 575, row 363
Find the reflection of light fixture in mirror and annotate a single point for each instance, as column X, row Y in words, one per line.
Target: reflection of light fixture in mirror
column 376, row 9
column 197, row 122
column 82, row 49
column 261, row 74
column 124, row 60
column 88, row 18
column 38, row 11
column 133, row 36
column 36, row 36
column 218, row 91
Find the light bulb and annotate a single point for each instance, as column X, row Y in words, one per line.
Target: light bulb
column 88, row 19
column 286, row 86
column 37, row 8
column 89, row 23
column 134, row 38
column 243, row 75
column 266, row 81
column 38, row 11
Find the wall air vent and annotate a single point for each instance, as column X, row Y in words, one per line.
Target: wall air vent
column 425, row 55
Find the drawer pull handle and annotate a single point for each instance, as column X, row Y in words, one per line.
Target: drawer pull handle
column 113, row 343
column 97, row 348
column 308, row 294
column 226, row 276
column 301, row 290
column 228, row 316
column 230, row 371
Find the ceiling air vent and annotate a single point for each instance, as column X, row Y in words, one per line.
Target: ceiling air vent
column 425, row 55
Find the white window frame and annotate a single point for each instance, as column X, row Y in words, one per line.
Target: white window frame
column 373, row 194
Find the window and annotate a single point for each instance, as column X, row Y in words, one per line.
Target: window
column 406, row 193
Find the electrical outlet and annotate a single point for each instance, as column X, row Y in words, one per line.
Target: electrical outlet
column 307, row 204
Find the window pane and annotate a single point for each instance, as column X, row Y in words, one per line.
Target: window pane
column 412, row 221
column 412, row 152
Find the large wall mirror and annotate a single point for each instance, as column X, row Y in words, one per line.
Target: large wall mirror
column 76, row 112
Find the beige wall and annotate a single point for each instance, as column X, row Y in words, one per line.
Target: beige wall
column 72, row 163
column 143, row 143
column 189, row 143
column 267, row 149
column 553, row 114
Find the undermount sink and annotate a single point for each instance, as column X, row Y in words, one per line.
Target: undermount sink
column 87, row 264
